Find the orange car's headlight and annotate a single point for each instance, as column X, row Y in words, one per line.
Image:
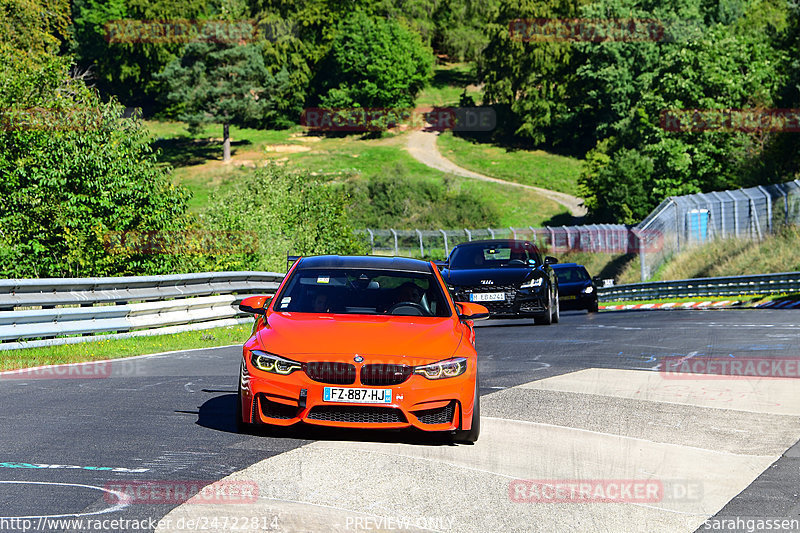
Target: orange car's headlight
column 274, row 364
column 449, row 368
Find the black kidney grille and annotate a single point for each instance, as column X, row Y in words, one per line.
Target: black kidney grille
column 382, row 375
column 333, row 373
column 357, row 414
column 440, row 415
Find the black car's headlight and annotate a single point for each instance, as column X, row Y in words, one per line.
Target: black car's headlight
column 588, row 290
column 449, row 368
column 533, row 282
column 273, row 364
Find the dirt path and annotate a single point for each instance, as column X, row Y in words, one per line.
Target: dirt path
column 422, row 146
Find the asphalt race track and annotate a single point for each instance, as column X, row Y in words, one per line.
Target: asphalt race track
column 581, row 401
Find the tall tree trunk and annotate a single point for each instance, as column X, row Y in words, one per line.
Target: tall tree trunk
column 226, row 143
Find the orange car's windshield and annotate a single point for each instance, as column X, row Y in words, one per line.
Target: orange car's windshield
column 363, row 291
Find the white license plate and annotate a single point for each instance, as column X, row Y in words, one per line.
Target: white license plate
column 487, row 297
column 351, row 395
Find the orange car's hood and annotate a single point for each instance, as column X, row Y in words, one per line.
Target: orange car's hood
column 304, row 336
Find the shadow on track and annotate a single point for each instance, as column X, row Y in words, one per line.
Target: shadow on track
column 219, row 412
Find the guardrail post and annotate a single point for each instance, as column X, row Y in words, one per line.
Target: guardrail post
column 421, row 249
column 491, row 232
column 533, row 235
column 396, row 249
column 513, row 232
column 446, row 248
column 469, row 234
column 552, row 237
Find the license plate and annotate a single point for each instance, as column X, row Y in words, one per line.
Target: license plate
column 487, row 297
column 351, row 395
column 569, row 297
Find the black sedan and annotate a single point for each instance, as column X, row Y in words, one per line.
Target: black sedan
column 508, row 277
column 576, row 288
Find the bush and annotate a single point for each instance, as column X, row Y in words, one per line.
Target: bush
column 288, row 213
column 78, row 175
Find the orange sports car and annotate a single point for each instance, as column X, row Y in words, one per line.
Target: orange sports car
column 362, row 342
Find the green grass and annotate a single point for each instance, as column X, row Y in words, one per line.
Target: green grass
column 448, row 83
column 197, row 160
column 350, row 158
column 101, row 349
column 531, row 167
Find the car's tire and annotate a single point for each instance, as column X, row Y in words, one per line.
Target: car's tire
column 557, row 310
column 469, row 436
column 241, row 425
column 547, row 318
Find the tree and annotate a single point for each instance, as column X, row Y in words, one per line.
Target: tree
column 224, row 84
column 125, row 69
column 372, row 63
column 72, row 173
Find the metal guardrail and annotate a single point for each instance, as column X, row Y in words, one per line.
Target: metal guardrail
column 49, row 309
column 786, row 282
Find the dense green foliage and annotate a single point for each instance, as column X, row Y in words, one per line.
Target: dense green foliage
column 288, row 213
column 607, row 97
column 373, row 63
column 73, row 171
column 225, row 84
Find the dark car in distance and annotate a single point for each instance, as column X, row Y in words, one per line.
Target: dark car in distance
column 508, row 277
column 576, row 289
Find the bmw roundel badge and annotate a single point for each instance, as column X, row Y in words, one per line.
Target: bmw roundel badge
column 358, row 359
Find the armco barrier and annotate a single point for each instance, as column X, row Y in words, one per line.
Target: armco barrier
column 787, row 282
column 49, row 309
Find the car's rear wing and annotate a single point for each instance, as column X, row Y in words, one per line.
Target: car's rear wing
column 440, row 264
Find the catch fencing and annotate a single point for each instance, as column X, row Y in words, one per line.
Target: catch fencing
column 681, row 222
column 678, row 223
column 436, row 244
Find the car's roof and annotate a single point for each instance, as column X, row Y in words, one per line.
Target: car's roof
column 567, row 265
column 401, row 264
column 498, row 241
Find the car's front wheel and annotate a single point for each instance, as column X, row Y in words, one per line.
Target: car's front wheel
column 470, row 436
column 241, row 425
column 557, row 310
column 546, row 318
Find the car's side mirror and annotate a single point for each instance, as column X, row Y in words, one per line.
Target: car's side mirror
column 550, row 260
column 471, row 311
column 256, row 305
